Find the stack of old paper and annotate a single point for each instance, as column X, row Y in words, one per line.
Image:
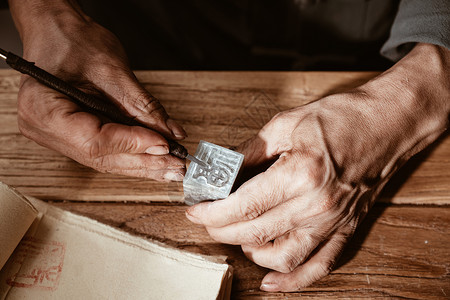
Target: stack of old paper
column 48, row 253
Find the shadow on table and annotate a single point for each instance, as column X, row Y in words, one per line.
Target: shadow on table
column 401, row 177
column 389, row 191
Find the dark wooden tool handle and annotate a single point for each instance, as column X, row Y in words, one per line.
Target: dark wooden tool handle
column 88, row 102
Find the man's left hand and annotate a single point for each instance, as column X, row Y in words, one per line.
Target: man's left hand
column 331, row 159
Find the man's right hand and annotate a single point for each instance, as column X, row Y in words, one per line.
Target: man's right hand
column 60, row 39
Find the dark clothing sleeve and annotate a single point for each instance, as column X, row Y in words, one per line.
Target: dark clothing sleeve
column 418, row 21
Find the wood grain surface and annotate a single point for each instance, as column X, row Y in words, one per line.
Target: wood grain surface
column 220, row 107
column 398, row 251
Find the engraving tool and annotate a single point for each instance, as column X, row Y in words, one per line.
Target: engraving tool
column 88, row 102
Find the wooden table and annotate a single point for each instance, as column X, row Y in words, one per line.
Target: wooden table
column 401, row 250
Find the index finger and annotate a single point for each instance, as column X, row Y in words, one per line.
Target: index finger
column 252, row 199
column 125, row 91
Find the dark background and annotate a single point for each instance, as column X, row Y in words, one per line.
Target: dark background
column 339, row 35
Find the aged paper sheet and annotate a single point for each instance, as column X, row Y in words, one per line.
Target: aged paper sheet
column 16, row 216
column 66, row 256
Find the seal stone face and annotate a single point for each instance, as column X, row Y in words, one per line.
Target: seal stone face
column 214, row 181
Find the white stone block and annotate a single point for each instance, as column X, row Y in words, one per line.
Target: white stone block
column 214, row 181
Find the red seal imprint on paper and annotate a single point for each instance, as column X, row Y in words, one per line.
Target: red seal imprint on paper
column 38, row 263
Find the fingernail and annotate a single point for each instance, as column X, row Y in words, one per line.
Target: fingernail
column 173, row 176
column 157, row 150
column 176, row 129
column 269, row 287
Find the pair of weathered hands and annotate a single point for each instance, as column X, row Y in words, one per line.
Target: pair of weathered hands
column 330, row 158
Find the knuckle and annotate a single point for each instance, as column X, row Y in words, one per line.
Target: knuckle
column 159, row 176
column 100, row 164
column 350, row 229
column 324, row 268
column 30, row 121
column 101, row 70
column 161, row 162
column 109, row 72
column 257, row 236
column 249, row 211
column 314, row 174
column 148, row 105
column 319, row 271
column 328, row 203
column 287, row 262
column 316, row 178
column 155, row 175
column 93, row 151
column 24, row 129
column 25, row 112
column 135, row 139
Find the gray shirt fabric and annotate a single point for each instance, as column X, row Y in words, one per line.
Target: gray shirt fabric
column 418, row 21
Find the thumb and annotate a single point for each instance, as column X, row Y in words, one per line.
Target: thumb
column 253, row 199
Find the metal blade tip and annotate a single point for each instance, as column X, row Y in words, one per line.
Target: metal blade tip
column 196, row 160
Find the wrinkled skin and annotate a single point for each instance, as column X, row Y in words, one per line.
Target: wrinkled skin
column 331, row 160
column 65, row 42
